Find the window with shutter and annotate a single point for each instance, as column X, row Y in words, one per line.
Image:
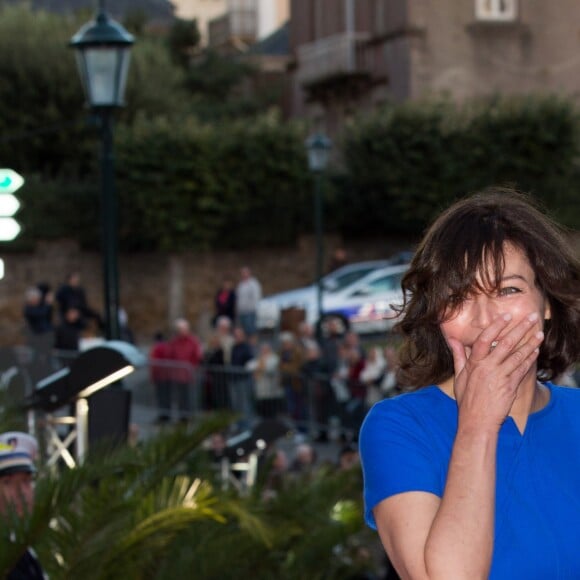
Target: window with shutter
column 504, row 10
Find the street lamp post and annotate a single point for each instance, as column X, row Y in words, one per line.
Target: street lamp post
column 103, row 51
column 318, row 147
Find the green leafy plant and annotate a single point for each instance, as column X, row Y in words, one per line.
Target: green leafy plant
column 159, row 510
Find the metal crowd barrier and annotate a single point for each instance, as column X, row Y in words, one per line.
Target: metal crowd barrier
column 306, row 401
column 171, row 391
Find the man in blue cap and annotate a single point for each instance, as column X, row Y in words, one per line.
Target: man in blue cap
column 17, row 454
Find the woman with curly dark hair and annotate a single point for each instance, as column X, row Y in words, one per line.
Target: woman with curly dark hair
column 477, row 473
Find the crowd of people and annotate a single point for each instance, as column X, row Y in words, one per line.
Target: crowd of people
column 282, row 461
column 329, row 382
column 58, row 320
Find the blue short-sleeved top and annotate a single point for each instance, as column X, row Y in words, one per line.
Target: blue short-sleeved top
column 405, row 445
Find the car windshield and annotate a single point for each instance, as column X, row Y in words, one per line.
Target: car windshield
column 387, row 283
column 337, row 283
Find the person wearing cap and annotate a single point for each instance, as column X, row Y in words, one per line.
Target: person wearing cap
column 17, row 454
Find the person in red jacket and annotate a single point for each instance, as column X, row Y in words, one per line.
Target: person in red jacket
column 186, row 353
column 159, row 373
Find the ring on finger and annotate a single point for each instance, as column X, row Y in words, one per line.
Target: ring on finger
column 493, row 345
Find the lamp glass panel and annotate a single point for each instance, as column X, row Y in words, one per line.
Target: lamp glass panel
column 102, row 75
column 82, row 67
column 124, row 57
column 317, row 158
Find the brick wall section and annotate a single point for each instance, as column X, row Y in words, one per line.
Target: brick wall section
column 156, row 288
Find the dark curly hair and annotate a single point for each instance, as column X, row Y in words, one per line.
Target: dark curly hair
column 445, row 268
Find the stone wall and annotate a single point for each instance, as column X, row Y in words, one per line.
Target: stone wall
column 157, row 288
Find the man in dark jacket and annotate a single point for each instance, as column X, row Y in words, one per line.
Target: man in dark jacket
column 38, row 311
column 72, row 295
column 242, row 350
column 67, row 337
column 240, row 383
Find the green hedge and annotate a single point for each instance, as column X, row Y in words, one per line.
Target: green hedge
column 184, row 184
column 403, row 164
column 188, row 185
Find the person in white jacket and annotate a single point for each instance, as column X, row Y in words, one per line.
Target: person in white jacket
column 268, row 390
column 248, row 295
column 372, row 375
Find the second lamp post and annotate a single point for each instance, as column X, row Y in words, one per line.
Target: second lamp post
column 318, row 147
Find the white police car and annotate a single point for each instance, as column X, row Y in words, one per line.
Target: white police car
column 357, row 295
column 366, row 305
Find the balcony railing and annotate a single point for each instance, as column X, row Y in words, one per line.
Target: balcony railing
column 330, row 57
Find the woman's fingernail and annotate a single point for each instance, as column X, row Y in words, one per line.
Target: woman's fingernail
column 533, row 317
column 507, row 317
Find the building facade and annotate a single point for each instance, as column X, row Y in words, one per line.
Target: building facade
column 233, row 25
column 349, row 55
column 245, row 22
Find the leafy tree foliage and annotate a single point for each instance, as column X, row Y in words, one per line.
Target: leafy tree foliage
column 159, row 511
column 183, row 40
column 213, row 81
column 42, row 126
column 155, row 84
column 218, row 86
column 135, row 21
column 46, row 131
column 215, row 76
column 178, row 186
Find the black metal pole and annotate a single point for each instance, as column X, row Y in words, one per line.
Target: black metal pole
column 319, row 243
column 109, row 228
